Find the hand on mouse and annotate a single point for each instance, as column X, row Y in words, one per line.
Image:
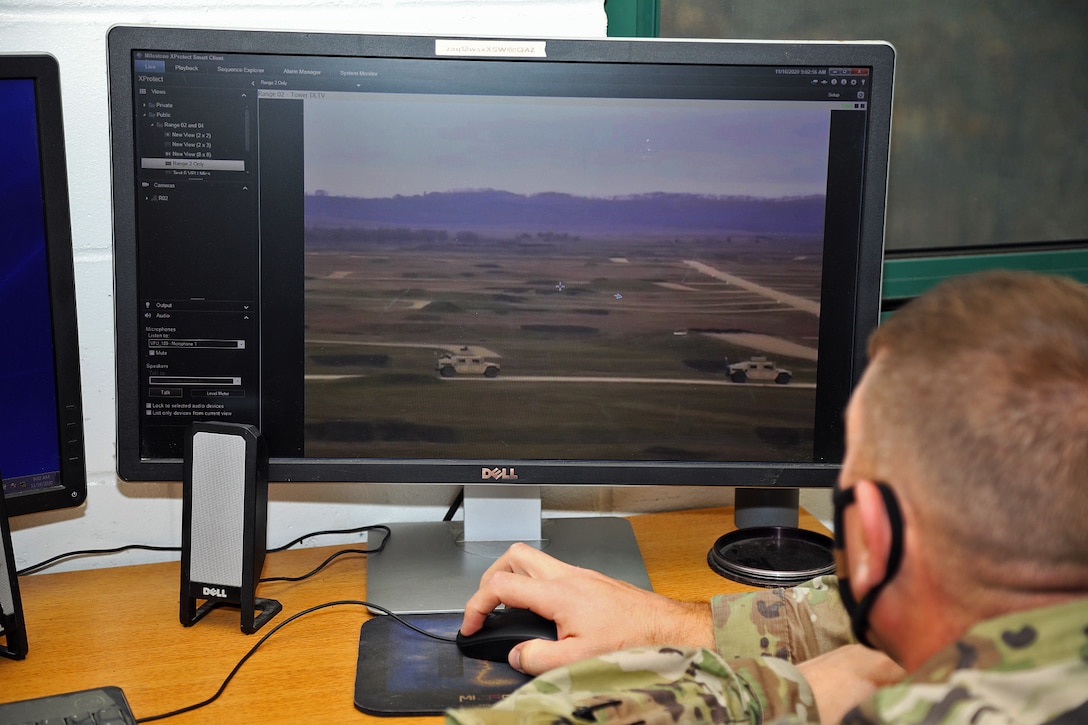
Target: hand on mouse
column 594, row 614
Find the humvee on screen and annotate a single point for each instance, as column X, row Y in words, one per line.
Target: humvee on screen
column 758, row 368
column 463, row 363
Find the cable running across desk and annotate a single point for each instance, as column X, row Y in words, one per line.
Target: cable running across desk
column 34, row 568
column 278, row 627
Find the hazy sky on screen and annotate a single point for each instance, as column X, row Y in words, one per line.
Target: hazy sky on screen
column 381, row 145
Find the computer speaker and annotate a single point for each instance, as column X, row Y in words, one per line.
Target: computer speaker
column 224, row 523
column 12, row 628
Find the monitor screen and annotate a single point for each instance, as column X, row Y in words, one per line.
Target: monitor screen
column 447, row 260
column 41, row 420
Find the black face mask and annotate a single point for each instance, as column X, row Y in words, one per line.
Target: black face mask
column 859, row 611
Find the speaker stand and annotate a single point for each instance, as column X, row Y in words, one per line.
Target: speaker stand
column 253, row 617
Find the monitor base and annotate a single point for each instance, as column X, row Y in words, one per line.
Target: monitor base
column 768, row 549
column 428, row 568
column 772, row 556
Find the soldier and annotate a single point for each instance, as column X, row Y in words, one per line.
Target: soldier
column 962, row 541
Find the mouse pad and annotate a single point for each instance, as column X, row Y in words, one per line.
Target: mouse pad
column 402, row 672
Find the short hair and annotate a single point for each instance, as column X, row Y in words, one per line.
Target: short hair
column 979, row 392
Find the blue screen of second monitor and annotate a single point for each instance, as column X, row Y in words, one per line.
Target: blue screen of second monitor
column 29, row 456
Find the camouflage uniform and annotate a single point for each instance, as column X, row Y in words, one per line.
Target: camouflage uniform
column 1030, row 667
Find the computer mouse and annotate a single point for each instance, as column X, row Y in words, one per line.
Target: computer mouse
column 502, row 630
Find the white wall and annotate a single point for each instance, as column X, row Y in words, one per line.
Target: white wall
column 117, row 512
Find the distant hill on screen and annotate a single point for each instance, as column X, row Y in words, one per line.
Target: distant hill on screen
column 556, row 212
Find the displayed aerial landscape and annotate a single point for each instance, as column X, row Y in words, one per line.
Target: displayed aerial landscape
column 547, row 321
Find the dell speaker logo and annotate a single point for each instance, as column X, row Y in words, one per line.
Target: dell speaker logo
column 501, row 474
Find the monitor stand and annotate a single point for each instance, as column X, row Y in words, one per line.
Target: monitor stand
column 766, row 507
column 768, row 548
column 433, row 567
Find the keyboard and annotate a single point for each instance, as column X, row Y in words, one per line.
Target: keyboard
column 100, row 706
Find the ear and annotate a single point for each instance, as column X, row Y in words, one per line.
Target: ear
column 873, row 538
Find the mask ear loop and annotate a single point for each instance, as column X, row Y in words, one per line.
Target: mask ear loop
column 859, row 611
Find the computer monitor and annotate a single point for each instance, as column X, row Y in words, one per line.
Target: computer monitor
column 41, row 411
column 431, row 260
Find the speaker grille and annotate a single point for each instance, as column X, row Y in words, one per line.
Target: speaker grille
column 218, row 499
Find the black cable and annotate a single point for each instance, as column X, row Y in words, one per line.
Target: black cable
column 148, row 547
column 460, row 499
column 329, row 560
column 278, row 627
column 319, row 567
column 409, row 625
column 92, row 552
column 357, row 530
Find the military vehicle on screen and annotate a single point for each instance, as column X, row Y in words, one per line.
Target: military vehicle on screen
column 758, row 368
column 464, row 362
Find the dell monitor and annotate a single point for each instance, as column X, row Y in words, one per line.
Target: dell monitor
column 41, row 419
column 501, row 263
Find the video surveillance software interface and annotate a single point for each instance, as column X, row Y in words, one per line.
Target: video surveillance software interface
column 369, row 258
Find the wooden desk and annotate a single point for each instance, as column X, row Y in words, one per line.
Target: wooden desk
column 120, row 626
